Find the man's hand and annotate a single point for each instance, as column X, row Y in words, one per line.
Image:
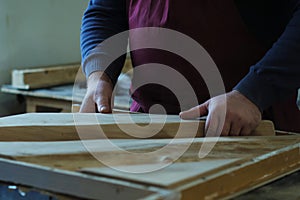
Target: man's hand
column 99, row 94
column 242, row 116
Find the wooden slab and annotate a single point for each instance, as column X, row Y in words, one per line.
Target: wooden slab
column 234, row 165
column 34, row 78
column 65, row 126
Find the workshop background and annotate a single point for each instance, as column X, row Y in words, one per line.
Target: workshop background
column 36, row 33
column 44, row 156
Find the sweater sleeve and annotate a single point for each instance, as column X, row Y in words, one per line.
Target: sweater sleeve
column 101, row 20
column 277, row 74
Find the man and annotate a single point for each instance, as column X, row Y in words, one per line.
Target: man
column 259, row 37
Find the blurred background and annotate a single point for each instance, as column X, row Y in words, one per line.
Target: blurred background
column 36, row 33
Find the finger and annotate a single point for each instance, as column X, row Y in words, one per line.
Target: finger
column 103, row 96
column 195, row 112
column 246, row 131
column 104, row 104
column 88, row 105
column 209, row 129
column 212, row 126
column 235, row 129
column 215, row 123
column 226, row 128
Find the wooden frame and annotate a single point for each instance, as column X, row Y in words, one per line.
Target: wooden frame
column 52, row 169
column 235, row 164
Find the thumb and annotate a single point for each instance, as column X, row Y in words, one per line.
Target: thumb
column 87, row 105
column 195, row 112
column 104, row 104
column 103, row 97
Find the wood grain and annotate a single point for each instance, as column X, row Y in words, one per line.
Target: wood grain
column 73, row 183
column 221, row 174
column 66, row 126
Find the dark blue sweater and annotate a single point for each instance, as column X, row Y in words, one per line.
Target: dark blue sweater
column 275, row 23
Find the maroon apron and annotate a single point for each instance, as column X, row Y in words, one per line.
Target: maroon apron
column 214, row 24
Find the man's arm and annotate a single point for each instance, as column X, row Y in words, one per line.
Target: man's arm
column 272, row 79
column 277, row 75
column 102, row 19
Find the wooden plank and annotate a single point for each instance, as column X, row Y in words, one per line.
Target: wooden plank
column 76, row 94
column 74, row 183
column 63, row 92
column 20, row 149
column 35, row 104
column 287, row 187
column 254, row 174
column 166, row 177
column 221, row 176
column 41, row 77
column 65, row 126
column 235, row 164
column 44, row 77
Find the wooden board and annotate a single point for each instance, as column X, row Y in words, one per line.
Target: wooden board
column 75, row 184
column 58, row 126
column 63, row 92
column 286, row 187
column 44, row 77
column 234, row 165
column 35, row 104
column 66, row 94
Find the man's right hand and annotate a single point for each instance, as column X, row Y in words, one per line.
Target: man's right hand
column 99, row 94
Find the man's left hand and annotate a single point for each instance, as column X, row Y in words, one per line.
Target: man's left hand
column 241, row 116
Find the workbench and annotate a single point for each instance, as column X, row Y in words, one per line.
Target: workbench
column 61, row 98
column 56, row 99
column 284, row 188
